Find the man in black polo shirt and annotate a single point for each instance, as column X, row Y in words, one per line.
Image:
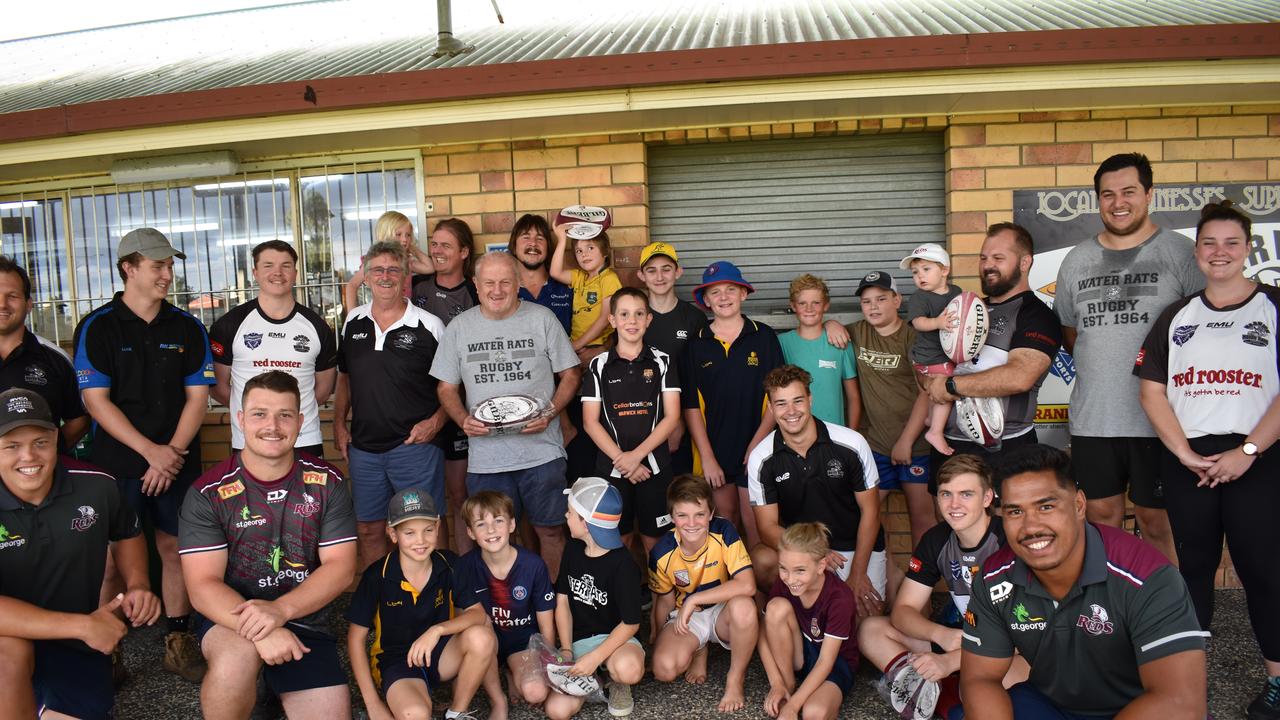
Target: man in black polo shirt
column 384, row 365
column 32, row 362
column 809, row 470
column 1103, row 619
column 144, row 369
column 56, row 521
column 267, row 545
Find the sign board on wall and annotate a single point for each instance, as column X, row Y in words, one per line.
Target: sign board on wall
column 1058, row 218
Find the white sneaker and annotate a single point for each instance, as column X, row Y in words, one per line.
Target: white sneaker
column 620, row 702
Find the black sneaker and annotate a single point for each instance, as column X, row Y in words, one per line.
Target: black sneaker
column 1267, row 705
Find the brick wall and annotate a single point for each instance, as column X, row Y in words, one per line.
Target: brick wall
column 489, row 185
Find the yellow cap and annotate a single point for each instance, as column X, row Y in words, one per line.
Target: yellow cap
column 658, row 248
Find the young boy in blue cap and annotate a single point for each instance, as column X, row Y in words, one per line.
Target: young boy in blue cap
column 724, row 368
column 597, row 599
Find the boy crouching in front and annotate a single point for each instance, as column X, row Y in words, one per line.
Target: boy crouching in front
column 407, row 596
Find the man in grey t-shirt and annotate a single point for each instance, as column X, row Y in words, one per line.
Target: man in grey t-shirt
column 1110, row 289
column 505, row 346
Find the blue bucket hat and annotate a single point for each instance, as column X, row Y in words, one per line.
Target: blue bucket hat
column 720, row 271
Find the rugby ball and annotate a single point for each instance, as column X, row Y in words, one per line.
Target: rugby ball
column 558, row 677
column 982, row 419
column 584, row 221
column 966, row 336
column 507, row 414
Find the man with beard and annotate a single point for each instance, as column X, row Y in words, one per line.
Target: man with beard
column 268, row 543
column 34, row 363
column 1110, row 289
column 1023, row 339
column 530, row 243
column 1102, row 618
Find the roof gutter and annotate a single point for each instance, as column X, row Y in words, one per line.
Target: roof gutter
column 755, row 62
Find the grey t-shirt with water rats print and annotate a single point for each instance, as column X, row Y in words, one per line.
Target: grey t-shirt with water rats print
column 927, row 348
column 519, row 354
column 1111, row 298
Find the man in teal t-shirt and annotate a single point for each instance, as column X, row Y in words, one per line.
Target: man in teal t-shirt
column 835, row 370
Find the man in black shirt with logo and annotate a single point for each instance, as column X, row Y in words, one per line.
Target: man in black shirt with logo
column 268, row 542
column 56, row 521
column 1103, row 619
column 145, row 369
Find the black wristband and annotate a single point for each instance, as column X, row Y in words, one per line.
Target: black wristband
column 951, row 386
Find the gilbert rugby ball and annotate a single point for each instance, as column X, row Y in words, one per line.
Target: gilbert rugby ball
column 508, row 413
column 982, row 419
column 577, row 686
column 584, row 221
column 962, row 341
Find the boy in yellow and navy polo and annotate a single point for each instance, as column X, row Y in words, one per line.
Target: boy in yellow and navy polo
column 704, row 590
column 406, row 600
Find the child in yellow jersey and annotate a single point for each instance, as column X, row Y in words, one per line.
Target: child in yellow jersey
column 704, row 589
column 593, row 285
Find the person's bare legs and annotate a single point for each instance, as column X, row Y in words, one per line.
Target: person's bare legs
column 324, row 703
column 726, row 497
column 783, row 631
column 527, row 679
column 371, row 543
column 739, row 622
column 465, row 660
column 561, row 707
column 823, row 704
column 1154, row 523
column 672, row 653
column 626, row 664
column 455, row 490
column 764, row 561
column 173, row 591
column 921, row 508
column 17, row 664
column 551, row 544
column 230, row 685
column 751, row 534
column 409, row 699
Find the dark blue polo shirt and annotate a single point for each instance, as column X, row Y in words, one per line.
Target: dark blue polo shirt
column 727, row 384
column 147, row 367
column 395, row 613
column 556, row 297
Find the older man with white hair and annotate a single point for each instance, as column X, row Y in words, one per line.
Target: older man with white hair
column 503, row 347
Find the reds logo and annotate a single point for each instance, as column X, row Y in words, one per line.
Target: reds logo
column 88, row 516
column 1099, row 623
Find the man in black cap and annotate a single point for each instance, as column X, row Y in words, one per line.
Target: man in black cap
column 57, row 518
column 32, row 362
column 145, row 369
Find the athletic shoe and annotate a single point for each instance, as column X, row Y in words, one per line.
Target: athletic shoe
column 1267, row 705
column 620, row 702
column 182, row 657
column 913, row 697
column 119, row 675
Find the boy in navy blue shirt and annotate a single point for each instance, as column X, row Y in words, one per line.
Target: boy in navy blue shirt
column 407, row 598
column 512, row 586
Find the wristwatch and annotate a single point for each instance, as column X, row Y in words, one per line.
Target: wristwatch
column 950, row 384
column 1249, row 449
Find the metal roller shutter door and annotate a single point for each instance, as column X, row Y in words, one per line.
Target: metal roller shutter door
column 837, row 207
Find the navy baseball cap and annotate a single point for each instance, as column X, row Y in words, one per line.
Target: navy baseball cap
column 600, row 505
column 411, row 504
column 876, row 278
column 719, row 272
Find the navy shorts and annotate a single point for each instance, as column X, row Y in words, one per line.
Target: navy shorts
column 453, row 441
column 317, row 669
column 162, row 509
column 71, row 681
column 841, row 674
column 390, row 670
column 1031, row 704
column 538, row 490
column 893, row 477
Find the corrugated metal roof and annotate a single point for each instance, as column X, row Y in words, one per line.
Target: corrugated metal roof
column 347, row 38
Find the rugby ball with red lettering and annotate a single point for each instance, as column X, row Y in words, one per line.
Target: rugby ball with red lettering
column 966, row 336
column 584, row 222
column 507, row 414
column 982, row 419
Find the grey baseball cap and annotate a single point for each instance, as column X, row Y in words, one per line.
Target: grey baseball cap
column 411, row 504
column 20, row 408
column 150, row 243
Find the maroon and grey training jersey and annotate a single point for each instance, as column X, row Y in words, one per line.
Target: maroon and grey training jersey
column 272, row 531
